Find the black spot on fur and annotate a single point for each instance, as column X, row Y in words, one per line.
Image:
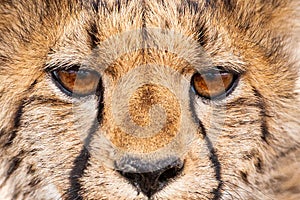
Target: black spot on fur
column 244, row 176
column 32, row 85
column 14, row 164
column 229, row 5
column 17, row 119
column 34, row 181
column 94, row 41
column 18, row 115
column 95, row 6
column 188, row 6
column 209, row 2
column 102, row 5
column 16, row 194
column 215, row 161
column 258, row 165
column 263, row 113
column 31, row 169
column 2, row 91
column 202, row 38
column 11, row 137
column 2, row 132
column 265, row 132
column 144, row 13
column 255, row 157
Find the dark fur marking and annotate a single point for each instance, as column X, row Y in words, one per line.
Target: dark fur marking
column 1, row 92
column 14, row 164
column 242, row 102
column 34, row 181
column 229, row 5
column 95, row 6
column 288, row 151
column 263, row 113
column 215, row 161
column 17, row 117
column 2, row 132
column 19, row 113
column 31, row 169
column 217, row 192
column 143, row 13
column 11, row 137
column 81, row 161
column 44, row 100
column 265, row 132
column 251, row 154
column 16, row 195
column 188, row 5
column 32, row 85
column 255, row 157
column 80, row 164
column 116, row 6
column 258, row 165
column 209, row 3
column 202, row 40
column 244, row 176
column 94, row 41
column 145, row 35
column 16, row 125
column 99, row 93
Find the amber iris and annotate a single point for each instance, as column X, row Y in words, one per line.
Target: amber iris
column 77, row 82
column 214, row 83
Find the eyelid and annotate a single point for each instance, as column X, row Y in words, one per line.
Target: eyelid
column 51, row 67
column 220, row 69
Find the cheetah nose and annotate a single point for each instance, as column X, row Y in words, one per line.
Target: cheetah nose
column 150, row 182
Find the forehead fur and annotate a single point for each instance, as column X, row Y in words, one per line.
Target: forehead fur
column 203, row 20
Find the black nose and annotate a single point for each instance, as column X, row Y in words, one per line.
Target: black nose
column 150, row 182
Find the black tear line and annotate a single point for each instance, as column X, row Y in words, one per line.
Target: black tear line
column 216, row 163
column 81, row 162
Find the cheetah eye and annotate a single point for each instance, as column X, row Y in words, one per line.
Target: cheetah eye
column 214, row 84
column 76, row 81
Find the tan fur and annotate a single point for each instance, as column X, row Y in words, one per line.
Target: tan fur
column 245, row 146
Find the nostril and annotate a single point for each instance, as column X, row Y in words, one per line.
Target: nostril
column 170, row 173
column 151, row 182
column 132, row 177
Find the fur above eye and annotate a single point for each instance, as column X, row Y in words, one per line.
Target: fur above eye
column 214, row 84
column 75, row 81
